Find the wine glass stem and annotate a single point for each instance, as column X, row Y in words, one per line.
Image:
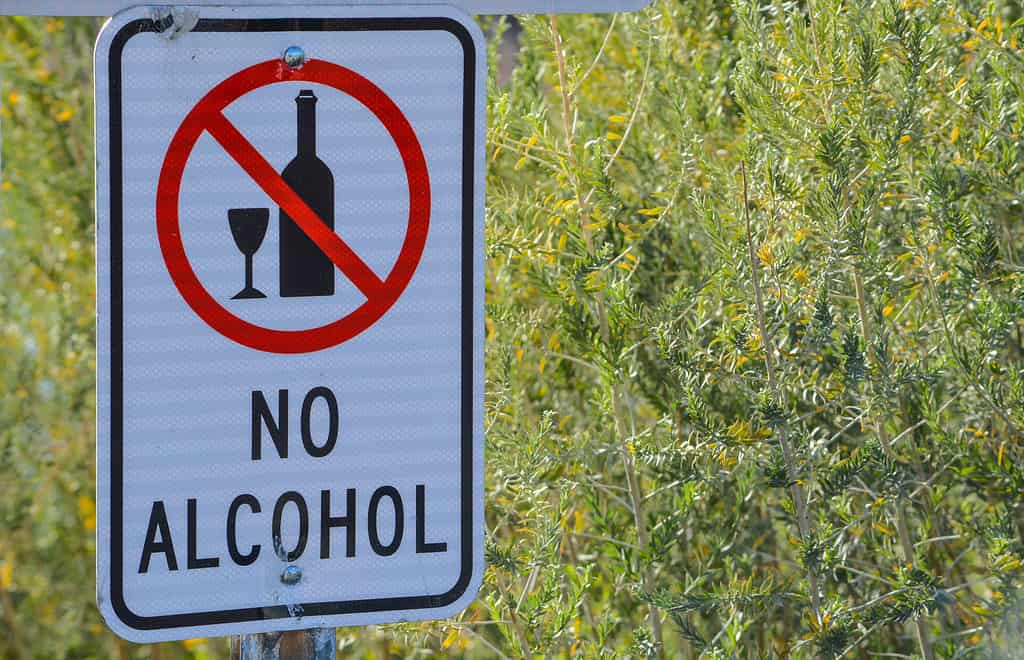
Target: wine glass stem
column 248, row 271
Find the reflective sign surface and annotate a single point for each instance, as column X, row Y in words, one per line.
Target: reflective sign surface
column 290, row 320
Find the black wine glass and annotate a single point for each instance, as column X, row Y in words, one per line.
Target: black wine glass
column 248, row 226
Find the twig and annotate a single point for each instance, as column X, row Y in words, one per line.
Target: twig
column 636, row 106
column 600, row 52
column 802, row 518
column 632, row 480
column 883, row 437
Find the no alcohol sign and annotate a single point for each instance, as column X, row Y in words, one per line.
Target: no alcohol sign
column 290, row 317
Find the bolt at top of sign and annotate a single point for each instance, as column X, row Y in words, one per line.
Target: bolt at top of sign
column 294, row 56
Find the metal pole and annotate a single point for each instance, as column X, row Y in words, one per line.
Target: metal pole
column 313, row 644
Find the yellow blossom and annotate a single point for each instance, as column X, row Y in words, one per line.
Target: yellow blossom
column 6, row 574
column 87, row 512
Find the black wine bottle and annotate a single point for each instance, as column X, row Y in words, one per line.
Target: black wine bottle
column 304, row 268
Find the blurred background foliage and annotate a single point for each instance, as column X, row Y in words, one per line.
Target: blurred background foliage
column 755, row 366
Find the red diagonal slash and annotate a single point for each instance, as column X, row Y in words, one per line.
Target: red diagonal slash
column 267, row 178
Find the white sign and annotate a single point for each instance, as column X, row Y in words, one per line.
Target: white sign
column 107, row 7
column 289, row 319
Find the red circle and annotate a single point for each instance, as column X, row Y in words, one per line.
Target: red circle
column 169, row 189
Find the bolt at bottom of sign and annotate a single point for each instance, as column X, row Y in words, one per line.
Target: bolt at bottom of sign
column 291, row 574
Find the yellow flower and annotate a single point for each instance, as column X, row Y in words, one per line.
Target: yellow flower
column 887, row 311
column 801, row 275
column 54, row 25
column 193, row 644
column 800, row 234
column 613, row 136
column 955, row 135
column 14, row 97
column 87, row 512
column 617, row 119
column 904, row 139
column 65, row 115
column 453, row 636
column 6, row 574
column 764, row 253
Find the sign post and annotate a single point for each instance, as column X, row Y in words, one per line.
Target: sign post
column 317, row 644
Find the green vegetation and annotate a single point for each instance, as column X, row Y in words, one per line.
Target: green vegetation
column 755, row 379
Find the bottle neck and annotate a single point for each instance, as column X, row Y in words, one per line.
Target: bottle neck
column 306, row 103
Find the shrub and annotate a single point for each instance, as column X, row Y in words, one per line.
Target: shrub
column 754, row 368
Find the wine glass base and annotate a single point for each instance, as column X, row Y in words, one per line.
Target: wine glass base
column 248, row 293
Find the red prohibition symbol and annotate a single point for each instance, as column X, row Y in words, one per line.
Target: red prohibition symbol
column 208, row 116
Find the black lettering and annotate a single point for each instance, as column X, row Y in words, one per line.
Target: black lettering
column 396, row 540
column 327, row 522
column 278, row 428
column 332, row 410
column 300, row 544
column 158, row 523
column 422, row 547
column 254, row 551
column 193, row 560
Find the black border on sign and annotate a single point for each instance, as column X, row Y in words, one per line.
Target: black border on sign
column 164, row 622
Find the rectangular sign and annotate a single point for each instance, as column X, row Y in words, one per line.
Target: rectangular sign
column 290, row 319
column 108, row 7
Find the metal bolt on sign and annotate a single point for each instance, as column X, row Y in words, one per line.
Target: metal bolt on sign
column 291, row 574
column 294, row 56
